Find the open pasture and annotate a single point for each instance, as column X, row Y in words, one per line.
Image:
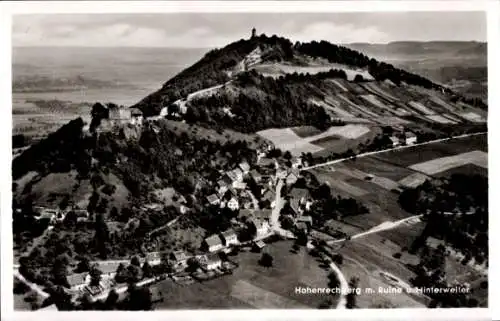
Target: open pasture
column 254, row 286
column 468, row 169
column 414, row 155
column 441, row 164
column 286, row 139
column 440, row 119
column 378, row 167
column 413, row 180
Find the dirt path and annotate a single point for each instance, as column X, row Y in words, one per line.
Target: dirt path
column 31, row 285
column 379, row 228
column 336, row 161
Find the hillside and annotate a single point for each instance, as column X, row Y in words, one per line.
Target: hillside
column 264, row 82
column 460, row 65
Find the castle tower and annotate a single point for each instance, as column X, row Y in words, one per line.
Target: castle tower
column 254, row 33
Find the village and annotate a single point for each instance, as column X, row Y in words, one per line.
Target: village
column 251, row 193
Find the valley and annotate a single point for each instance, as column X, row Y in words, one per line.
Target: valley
column 263, row 167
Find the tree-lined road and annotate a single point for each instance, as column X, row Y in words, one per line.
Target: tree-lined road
column 336, row 161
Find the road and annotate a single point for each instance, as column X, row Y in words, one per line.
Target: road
column 275, row 213
column 336, row 161
column 379, row 228
column 32, row 286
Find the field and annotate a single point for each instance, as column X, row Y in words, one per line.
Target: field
column 410, row 156
column 442, row 164
column 367, row 258
column 254, row 286
column 287, row 139
column 278, row 69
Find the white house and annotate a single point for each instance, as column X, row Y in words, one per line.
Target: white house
column 213, row 243
column 210, row 262
column 245, row 168
column 179, row 258
column 229, row 237
column 262, row 227
column 233, row 204
column 410, row 138
column 395, row 140
column 78, row 281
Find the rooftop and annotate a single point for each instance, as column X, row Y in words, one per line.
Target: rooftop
column 213, row 240
column 299, row 193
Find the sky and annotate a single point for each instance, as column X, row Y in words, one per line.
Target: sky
column 205, row 30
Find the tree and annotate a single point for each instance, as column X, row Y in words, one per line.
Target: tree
column 135, row 261
column 351, row 296
column 111, row 300
column 266, row 260
column 338, row 259
column 95, row 276
column 121, row 274
column 333, row 280
column 84, row 264
column 140, row 299
column 287, row 155
column 147, row 271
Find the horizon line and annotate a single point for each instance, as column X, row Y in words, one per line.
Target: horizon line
column 189, row 47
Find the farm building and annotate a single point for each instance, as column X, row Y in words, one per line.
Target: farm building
column 239, row 185
column 229, row 237
column 153, row 258
column 257, row 177
column 305, row 219
column 410, row 138
column 291, row 179
column 395, row 140
column 258, row 246
column 179, row 258
column 245, row 168
column 213, row 199
column 210, row 261
column 269, row 198
column 77, row 281
column 298, row 198
column 261, row 226
column 301, row 226
column 212, row 243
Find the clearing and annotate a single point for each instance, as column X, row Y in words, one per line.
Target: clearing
column 439, row 165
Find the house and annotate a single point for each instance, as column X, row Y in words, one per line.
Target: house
column 257, row 177
column 305, row 219
column 258, row 246
column 78, row 281
column 181, row 208
column 213, row 199
column 265, row 162
column 395, row 140
column 179, row 258
column 262, row 227
column 301, row 226
column 47, row 214
column 153, row 258
column 212, row 243
column 291, row 179
column 298, row 199
column 231, row 176
column 245, row 168
column 269, row 197
column 210, row 261
column 233, row 204
column 136, row 116
column 239, row 185
column 239, row 174
column 296, row 162
column 309, row 203
column 229, row 237
column 410, row 138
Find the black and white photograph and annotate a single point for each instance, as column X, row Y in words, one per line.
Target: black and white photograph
column 249, row 160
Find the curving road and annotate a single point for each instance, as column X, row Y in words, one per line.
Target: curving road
column 336, row 161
